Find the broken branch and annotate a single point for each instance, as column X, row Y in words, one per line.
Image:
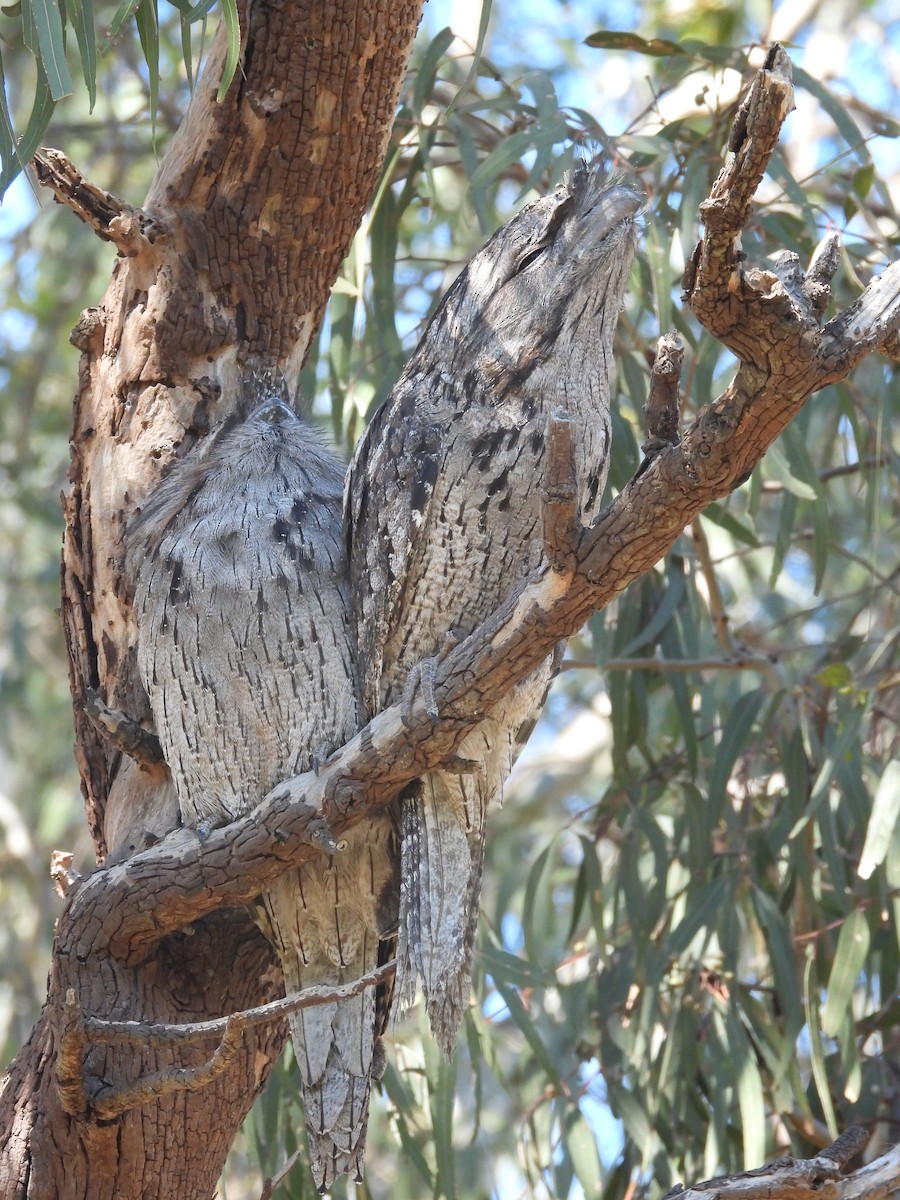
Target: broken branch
column 129, row 229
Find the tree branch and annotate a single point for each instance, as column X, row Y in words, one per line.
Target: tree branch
column 108, row 1100
column 818, row 1178
column 662, row 411
column 130, row 229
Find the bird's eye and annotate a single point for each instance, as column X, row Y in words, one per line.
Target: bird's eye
column 528, row 258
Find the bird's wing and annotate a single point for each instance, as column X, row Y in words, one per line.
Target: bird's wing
column 387, row 508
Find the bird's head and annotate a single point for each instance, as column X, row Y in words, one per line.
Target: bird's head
column 545, row 291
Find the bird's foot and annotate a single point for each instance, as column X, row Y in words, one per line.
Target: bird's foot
column 420, row 681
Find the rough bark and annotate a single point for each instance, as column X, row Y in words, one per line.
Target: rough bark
column 233, row 254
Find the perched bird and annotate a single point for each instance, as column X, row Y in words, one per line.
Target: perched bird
column 244, row 645
column 443, row 520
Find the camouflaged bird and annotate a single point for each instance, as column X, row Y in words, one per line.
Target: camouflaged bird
column 443, row 515
column 244, row 647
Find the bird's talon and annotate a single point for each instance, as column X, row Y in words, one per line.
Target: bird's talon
column 205, row 828
column 419, row 680
column 463, row 766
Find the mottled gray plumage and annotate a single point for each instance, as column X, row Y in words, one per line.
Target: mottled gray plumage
column 443, row 512
column 244, row 646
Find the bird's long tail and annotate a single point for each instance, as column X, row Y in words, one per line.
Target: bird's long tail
column 442, row 862
column 444, row 816
column 326, row 922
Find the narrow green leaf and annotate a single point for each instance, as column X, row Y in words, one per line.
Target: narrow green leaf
column 817, row 1054
column 849, row 130
column 80, row 14
column 718, row 55
column 402, row 1103
column 8, row 159
column 682, row 692
column 635, row 377
column 233, row 46
column 443, row 1095
column 885, row 819
column 613, row 39
column 694, row 187
column 187, row 50
column 500, row 964
column 541, row 86
column 849, row 959
column 120, row 16
column 29, row 30
column 863, row 180
column 486, row 7
column 671, row 598
column 848, row 730
column 735, row 736
column 778, row 464
column 424, row 85
column 582, row 1147
column 475, row 1044
column 47, row 23
column 703, row 912
column 383, row 241
column 199, row 11
column 545, row 139
column 804, row 469
column 22, row 150
column 749, row 1091
column 779, row 170
column 148, row 32
column 657, row 246
column 508, row 152
column 593, row 881
column 777, row 939
column 534, row 896
column 783, row 535
column 338, row 355
column 848, row 1039
column 521, row 1019
column 729, row 522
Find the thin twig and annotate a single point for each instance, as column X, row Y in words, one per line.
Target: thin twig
column 147, row 1034
column 109, row 1101
column 275, row 1180
column 670, row 665
column 714, row 593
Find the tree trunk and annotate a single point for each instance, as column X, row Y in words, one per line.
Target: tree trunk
column 233, row 255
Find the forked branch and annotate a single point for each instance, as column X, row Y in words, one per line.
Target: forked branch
column 106, row 1101
column 820, row 1178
